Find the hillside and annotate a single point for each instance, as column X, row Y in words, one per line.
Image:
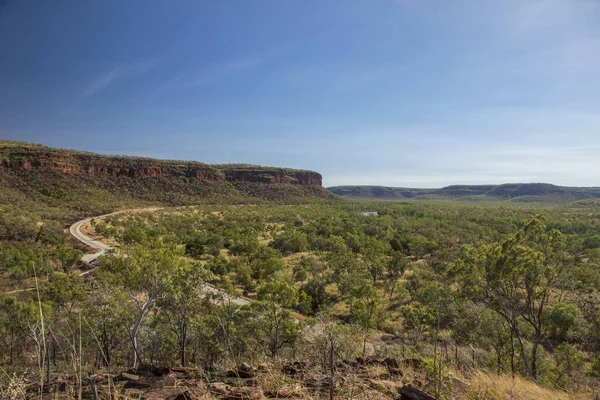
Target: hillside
column 88, row 182
column 514, row 192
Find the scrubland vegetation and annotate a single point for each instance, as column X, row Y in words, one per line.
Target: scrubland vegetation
column 475, row 293
column 247, row 289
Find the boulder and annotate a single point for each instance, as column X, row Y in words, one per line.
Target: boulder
column 180, row 370
column 391, row 363
column 317, row 380
column 322, row 381
column 218, row 388
column 244, row 371
column 369, row 360
column 410, row 393
column 139, row 384
column 129, row 377
column 152, row 370
column 294, row 368
column 286, row 391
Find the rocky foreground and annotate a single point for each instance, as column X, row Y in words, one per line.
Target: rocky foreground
column 371, row 378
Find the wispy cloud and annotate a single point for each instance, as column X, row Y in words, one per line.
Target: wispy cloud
column 570, row 166
column 213, row 72
column 115, row 73
column 542, row 14
column 101, row 82
column 216, row 72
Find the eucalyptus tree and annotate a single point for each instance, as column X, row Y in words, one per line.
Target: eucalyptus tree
column 277, row 324
column 183, row 301
column 515, row 278
column 146, row 273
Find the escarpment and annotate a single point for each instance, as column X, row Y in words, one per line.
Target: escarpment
column 273, row 176
column 27, row 158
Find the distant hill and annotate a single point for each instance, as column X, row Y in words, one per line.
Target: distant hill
column 514, row 192
column 86, row 181
column 378, row 192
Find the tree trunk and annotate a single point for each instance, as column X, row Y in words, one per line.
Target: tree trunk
column 512, row 356
column 456, row 355
column 48, row 362
column 331, row 367
column 134, row 331
column 94, row 390
column 182, row 341
column 364, row 350
column 498, row 359
column 107, row 350
column 498, row 352
column 523, row 353
column 534, row 348
column 392, row 289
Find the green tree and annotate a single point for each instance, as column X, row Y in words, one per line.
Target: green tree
column 366, row 310
column 395, row 268
column 290, row 242
column 278, row 325
column 146, row 274
column 106, row 311
column 67, row 257
column 515, row 279
column 182, row 301
column 65, row 291
column 565, row 318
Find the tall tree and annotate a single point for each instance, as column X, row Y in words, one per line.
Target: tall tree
column 515, row 279
column 278, row 325
column 146, row 274
column 182, row 300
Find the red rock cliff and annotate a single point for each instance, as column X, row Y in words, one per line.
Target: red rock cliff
column 274, row 176
column 23, row 159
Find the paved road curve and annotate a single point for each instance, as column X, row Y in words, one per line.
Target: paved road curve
column 101, row 248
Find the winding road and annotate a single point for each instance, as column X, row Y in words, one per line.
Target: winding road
column 102, row 248
column 75, row 231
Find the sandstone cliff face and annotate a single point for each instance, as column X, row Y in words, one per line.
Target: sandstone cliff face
column 86, row 163
column 274, row 176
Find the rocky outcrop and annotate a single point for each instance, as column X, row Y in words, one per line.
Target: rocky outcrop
column 23, row 158
column 274, row 176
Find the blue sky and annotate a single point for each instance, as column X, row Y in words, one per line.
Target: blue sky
column 417, row 93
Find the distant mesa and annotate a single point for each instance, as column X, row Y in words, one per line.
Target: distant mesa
column 515, row 192
column 98, row 183
column 23, row 157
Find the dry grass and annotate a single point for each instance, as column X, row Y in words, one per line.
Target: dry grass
column 492, row 387
column 294, row 258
